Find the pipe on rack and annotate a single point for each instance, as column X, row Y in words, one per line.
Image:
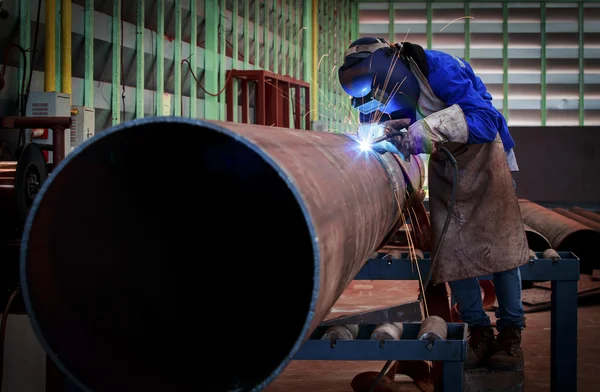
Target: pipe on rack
column 564, row 233
column 586, row 213
column 135, row 272
column 65, row 47
column 578, row 218
column 50, row 46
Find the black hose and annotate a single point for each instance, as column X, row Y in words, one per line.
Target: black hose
column 380, row 375
column 448, row 217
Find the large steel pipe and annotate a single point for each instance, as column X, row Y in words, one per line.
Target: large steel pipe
column 563, row 233
column 133, row 278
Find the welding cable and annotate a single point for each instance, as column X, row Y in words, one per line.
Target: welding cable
column 448, row 217
column 437, row 248
column 380, row 375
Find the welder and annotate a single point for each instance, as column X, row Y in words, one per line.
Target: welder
column 428, row 100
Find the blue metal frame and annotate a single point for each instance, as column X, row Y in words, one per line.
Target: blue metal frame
column 452, row 351
column 564, row 274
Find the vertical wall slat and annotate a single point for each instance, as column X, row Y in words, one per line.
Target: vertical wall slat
column 298, row 33
column 247, row 34
column 66, row 58
column 235, row 45
column 222, row 58
column 307, row 51
column 257, row 37
column 116, row 63
column 467, row 31
column 283, row 29
column 211, row 58
column 276, row 49
column 160, row 56
column 505, row 59
column 328, row 48
column 543, row 65
column 88, row 33
column 177, row 60
column 429, row 11
column 355, row 22
column 581, row 66
column 266, row 38
column 139, row 60
column 391, row 24
column 50, row 47
column 193, row 56
column 25, row 42
column 291, row 46
column 57, row 59
column 332, row 49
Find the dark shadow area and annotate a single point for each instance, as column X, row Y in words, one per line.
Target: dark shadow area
column 156, row 266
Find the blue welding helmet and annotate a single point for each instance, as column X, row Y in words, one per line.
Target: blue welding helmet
column 377, row 77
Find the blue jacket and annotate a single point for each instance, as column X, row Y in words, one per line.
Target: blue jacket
column 454, row 82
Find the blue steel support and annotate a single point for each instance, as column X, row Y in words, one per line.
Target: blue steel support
column 453, row 375
column 564, row 274
column 563, row 336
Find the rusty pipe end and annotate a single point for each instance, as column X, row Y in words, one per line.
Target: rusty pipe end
column 131, row 264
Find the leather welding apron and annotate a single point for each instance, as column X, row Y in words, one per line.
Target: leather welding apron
column 486, row 233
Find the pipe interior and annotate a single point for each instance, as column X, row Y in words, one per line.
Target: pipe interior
column 158, row 265
column 583, row 244
column 536, row 241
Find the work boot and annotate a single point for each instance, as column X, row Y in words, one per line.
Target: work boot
column 508, row 354
column 481, row 345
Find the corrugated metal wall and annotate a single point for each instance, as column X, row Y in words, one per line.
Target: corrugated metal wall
column 540, row 61
column 107, row 77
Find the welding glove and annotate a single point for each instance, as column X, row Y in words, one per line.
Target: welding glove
column 446, row 125
column 394, row 143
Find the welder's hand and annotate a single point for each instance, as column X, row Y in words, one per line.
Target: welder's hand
column 420, row 139
column 396, row 141
column 446, row 125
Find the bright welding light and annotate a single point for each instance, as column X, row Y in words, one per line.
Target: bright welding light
column 364, row 145
column 366, row 133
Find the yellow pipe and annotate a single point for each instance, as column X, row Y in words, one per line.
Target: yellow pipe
column 315, row 60
column 65, row 46
column 50, row 49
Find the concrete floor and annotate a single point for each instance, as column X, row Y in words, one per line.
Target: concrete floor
column 335, row 376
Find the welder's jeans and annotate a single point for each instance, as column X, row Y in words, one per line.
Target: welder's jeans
column 507, row 284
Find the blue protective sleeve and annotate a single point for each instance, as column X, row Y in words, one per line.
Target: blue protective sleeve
column 454, row 82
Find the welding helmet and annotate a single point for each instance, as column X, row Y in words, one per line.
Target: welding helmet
column 378, row 78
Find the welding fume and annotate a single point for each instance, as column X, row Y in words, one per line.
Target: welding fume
column 414, row 101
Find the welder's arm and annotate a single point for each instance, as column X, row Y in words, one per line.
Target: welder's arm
column 468, row 119
column 447, row 125
column 453, row 86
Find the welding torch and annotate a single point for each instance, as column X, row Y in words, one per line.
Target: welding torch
column 387, row 136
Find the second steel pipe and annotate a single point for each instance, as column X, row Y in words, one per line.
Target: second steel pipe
column 133, row 276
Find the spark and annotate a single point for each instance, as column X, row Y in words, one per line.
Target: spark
column 321, row 59
column 457, row 19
